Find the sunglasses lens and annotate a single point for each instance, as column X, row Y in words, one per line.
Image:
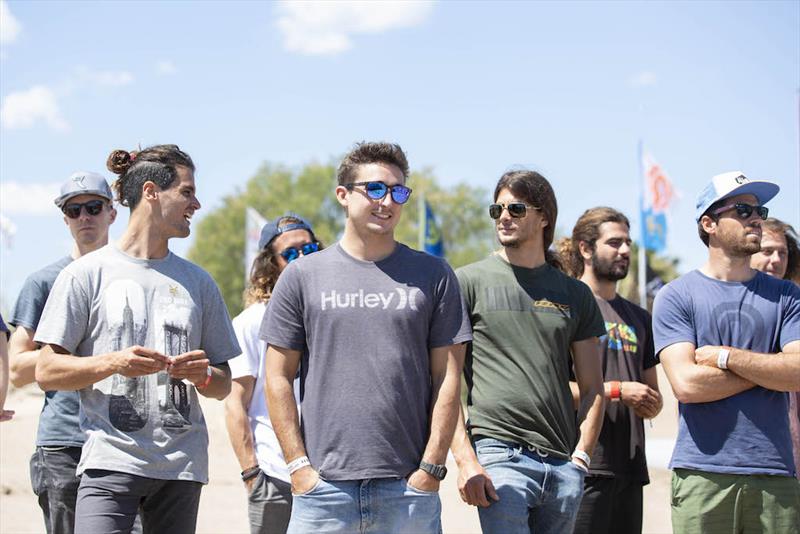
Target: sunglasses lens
column 73, row 211
column 376, row 190
column 495, row 210
column 400, row 194
column 763, row 212
column 516, row 209
column 93, row 207
column 310, row 248
column 290, row 254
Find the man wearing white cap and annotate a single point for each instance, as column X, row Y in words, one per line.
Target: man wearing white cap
column 728, row 337
column 85, row 201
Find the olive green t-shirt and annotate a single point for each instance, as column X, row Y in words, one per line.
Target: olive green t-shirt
column 517, row 368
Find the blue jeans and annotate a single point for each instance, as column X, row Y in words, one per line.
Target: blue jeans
column 537, row 494
column 381, row 505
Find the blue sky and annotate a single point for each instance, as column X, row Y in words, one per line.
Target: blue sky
column 468, row 88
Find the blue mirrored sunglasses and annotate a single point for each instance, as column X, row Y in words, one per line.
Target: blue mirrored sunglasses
column 292, row 253
column 378, row 190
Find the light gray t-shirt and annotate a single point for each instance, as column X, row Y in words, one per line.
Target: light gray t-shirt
column 150, row 426
column 365, row 380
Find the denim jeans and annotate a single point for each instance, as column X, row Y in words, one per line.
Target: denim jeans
column 537, row 494
column 269, row 505
column 55, row 483
column 383, row 505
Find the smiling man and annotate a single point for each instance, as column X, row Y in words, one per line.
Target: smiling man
column 379, row 328
column 85, row 200
column 140, row 333
column 728, row 337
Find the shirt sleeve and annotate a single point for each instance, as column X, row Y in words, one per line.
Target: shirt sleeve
column 790, row 327
column 29, row 305
column 245, row 364
column 450, row 322
column 283, row 325
column 672, row 319
column 217, row 339
column 65, row 319
column 590, row 319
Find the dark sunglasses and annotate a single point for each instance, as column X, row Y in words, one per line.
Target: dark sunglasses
column 93, row 207
column 378, row 190
column 292, row 253
column 744, row 211
column 515, row 209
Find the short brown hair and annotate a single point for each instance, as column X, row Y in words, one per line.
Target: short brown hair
column 710, row 212
column 265, row 270
column 534, row 189
column 364, row 153
column 779, row 227
column 587, row 229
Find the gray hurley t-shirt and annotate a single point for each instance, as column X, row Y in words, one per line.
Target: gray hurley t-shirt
column 365, row 379
column 150, row 426
column 58, row 422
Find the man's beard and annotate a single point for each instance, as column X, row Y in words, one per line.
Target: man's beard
column 609, row 270
column 738, row 246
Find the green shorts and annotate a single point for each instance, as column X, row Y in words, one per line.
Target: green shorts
column 714, row 503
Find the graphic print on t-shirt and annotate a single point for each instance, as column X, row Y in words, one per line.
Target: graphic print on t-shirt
column 621, row 337
column 130, row 403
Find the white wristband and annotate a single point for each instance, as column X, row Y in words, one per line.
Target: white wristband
column 581, row 455
column 298, row 463
column 722, row 358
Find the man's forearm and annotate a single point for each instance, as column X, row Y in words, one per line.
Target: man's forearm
column 590, row 416
column 238, row 425
column 708, row 384
column 220, row 384
column 461, row 445
column 57, row 371
column 284, row 417
column 444, row 412
column 23, row 354
column 778, row 372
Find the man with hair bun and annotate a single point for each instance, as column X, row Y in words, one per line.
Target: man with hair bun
column 264, row 472
column 728, row 337
column 523, row 453
column 598, row 254
column 140, row 333
column 85, row 200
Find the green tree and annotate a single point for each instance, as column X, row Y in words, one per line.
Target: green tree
column 218, row 245
column 664, row 267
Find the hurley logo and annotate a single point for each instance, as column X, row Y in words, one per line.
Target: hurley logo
column 741, row 179
column 79, row 181
column 399, row 299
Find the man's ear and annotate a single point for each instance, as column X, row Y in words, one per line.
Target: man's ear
column 585, row 250
column 709, row 224
column 150, row 191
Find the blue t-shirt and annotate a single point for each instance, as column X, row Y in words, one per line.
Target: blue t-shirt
column 58, row 422
column 747, row 433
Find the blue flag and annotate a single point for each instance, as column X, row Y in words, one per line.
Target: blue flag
column 434, row 244
column 654, row 230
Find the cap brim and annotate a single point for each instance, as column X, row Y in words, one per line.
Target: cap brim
column 763, row 191
column 60, row 201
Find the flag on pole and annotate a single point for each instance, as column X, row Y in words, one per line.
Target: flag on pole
column 430, row 233
column 656, row 199
column 254, row 222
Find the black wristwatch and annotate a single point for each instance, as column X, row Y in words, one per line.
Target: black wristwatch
column 436, row 471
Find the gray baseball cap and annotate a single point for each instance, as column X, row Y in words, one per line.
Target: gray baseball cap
column 270, row 230
column 729, row 184
column 83, row 183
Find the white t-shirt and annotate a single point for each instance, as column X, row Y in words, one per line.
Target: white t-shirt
column 251, row 363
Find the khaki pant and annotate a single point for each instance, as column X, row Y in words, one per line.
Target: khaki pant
column 713, row 503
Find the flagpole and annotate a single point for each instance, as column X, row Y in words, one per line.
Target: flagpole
column 421, row 218
column 642, row 248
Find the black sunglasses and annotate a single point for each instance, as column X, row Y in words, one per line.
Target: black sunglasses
column 744, row 211
column 93, row 207
column 515, row 209
column 378, row 190
column 292, row 253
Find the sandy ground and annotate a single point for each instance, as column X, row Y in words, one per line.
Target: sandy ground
column 223, row 507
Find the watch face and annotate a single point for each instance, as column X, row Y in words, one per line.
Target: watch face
column 436, row 471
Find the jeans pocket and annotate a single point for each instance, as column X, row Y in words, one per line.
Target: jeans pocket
column 493, row 453
column 37, row 473
column 259, row 481
column 419, row 491
column 311, row 491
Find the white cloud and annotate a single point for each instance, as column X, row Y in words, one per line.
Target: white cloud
column 644, row 78
column 106, row 78
column 325, row 28
column 165, row 67
column 21, row 110
column 10, row 27
column 28, row 199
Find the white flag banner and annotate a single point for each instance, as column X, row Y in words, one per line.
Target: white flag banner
column 254, row 222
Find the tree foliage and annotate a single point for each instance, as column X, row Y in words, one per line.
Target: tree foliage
column 218, row 245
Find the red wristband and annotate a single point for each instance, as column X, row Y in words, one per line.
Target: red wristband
column 207, row 380
column 616, row 390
